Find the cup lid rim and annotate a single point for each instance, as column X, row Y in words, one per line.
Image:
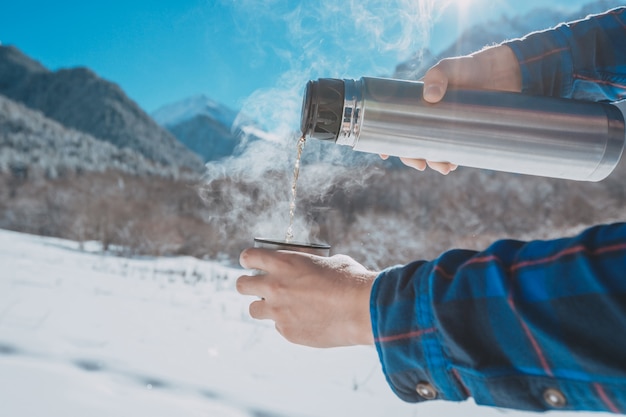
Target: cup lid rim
column 292, row 243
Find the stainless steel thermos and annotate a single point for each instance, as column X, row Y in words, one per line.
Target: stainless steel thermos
column 501, row 131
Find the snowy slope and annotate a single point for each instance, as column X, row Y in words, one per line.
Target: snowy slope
column 87, row 334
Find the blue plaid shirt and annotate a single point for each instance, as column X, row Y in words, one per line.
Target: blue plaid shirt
column 529, row 325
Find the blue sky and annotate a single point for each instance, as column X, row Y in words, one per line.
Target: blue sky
column 162, row 51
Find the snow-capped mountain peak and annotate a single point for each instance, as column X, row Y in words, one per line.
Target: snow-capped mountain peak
column 198, row 105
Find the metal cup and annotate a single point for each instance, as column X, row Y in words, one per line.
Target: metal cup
column 320, row 249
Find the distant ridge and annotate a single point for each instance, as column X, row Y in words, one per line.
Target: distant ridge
column 79, row 99
column 203, row 125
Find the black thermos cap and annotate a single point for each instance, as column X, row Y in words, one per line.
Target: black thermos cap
column 322, row 108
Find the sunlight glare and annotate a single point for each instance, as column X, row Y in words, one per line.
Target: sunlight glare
column 467, row 11
column 462, row 5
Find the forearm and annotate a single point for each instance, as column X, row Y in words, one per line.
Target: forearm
column 507, row 324
column 585, row 59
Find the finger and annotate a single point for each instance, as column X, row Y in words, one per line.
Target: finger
column 257, row 258
column 251, row 285
column 441, row 167
column 418, row 164
column 383, row 156
column 259, row 310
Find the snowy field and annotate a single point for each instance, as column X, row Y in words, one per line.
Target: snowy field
column 84, row 334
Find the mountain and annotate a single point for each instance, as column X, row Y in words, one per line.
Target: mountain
column 31, row 143
column 496, row 31
column 79, row 99
column 178, row 112
column 203, row 125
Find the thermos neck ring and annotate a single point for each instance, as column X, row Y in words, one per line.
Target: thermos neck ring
column 352, row 113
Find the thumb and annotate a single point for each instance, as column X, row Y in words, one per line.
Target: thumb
column 435, row 84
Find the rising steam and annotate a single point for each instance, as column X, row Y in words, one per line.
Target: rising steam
column 337, row 39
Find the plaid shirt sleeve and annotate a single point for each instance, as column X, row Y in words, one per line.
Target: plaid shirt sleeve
column 528, row 325
column 585, row 59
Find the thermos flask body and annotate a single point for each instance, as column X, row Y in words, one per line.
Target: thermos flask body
column 499, row 131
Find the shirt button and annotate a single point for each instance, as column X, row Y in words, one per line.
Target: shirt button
column 554, row 398
column 426, row 391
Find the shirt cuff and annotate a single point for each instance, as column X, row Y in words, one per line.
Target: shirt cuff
column 406, row 336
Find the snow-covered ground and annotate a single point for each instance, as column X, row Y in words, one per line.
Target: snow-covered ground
column 85, row 334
